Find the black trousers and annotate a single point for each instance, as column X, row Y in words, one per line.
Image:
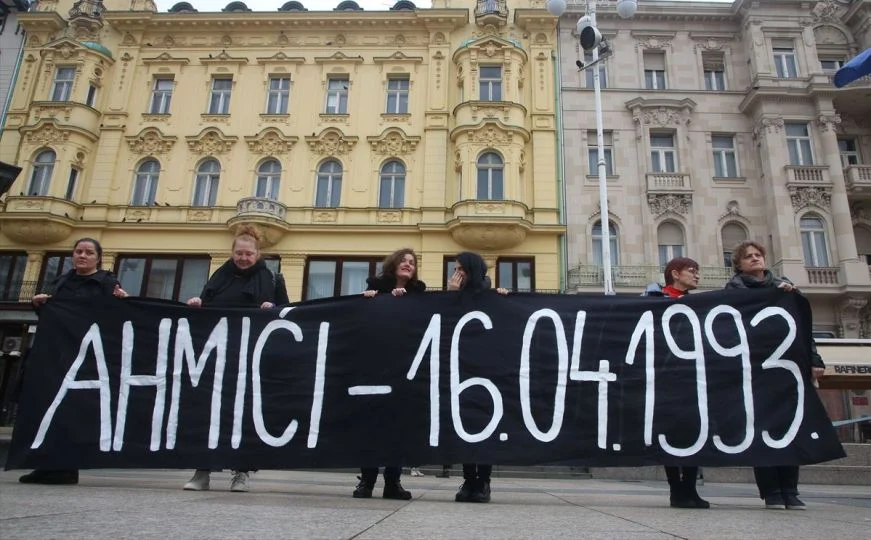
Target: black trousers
column 391, row 474
column 472, row 471
column 776, row 480
column 681, row 475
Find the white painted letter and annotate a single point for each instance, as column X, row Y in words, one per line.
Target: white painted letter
column 259, row 424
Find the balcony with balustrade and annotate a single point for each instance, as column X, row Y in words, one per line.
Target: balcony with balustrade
column 665, row 182
column 268, row 215
column 492, row 12
column 858, row 181
column 807, row 175
column 631, row 279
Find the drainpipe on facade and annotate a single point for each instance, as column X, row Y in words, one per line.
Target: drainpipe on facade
column 560, row 163
column 12, row 83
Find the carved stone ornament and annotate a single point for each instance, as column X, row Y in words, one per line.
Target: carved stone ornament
column 653, row 42
column 271, row 142
column 490, row 136
column 324, row 216
column 803, row 196
column 767, row 125
column 393, row 142
column 331, row 142
column 829, row 35
column 829, row 121
column 827, row 10
column 150, row 141
column 389, row 216
column 210, row 142
column 39, row 231
column 662, row 116
column 660, row 203
column 660, row 113
column 859, row 212
column 488, row 236
column 47, row 133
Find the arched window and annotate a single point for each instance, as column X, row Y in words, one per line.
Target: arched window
column 268, row 179
column 669, row 237
column 145, row 183
column 329, row 184
column 490, row 177
column 732, row 234
column 206, row 183
column 813, row 241
column 392, row 185
column 614, row 236
column 43, row 167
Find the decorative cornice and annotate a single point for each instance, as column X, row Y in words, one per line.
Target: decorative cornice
column 662, row 203
column 280, row 58
column 270, row 141
column 828, row 122
column 767, row 124
column 166, row 58
column 332, row 142
column 150, row 141
column 804, row 196
column 393, row 142
column 210, row 141
column 398, row 56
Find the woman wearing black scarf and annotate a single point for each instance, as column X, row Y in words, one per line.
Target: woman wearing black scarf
column 778, row 486
column 470, row 275
column 242, row 281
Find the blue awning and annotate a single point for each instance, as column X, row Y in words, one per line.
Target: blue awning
column 857, row 67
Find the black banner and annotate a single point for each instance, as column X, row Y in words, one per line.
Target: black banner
column 719, row 378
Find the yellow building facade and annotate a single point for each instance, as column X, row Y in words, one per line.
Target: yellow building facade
column 343, row 135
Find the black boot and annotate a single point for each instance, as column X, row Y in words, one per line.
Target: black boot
column 481, row 493
column 363, row 489
column 55, row 478
column 394, row 490
column 677, row 492
column 689, row 487
column 464, row 494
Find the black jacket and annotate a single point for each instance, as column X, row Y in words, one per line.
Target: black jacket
column 262, row 284
column 383, row 284
column 100, row 283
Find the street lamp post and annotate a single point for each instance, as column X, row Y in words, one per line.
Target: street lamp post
column 625, row 9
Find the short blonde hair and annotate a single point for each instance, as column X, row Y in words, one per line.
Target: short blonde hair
column 739, row 251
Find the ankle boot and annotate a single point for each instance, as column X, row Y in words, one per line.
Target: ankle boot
column 689, row 487
column 677, row 493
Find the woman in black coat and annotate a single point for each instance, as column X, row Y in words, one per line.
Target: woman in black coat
column 85, row 280
column 242, row 281
column 778, row 486
column 470, row 275
column 398, row 277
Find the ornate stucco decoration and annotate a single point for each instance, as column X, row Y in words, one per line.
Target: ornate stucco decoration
column 860, row 213
column 850, row 315
column 711, row 42
column 827, row 10
column 150, row 141
column 654, row 41
column 270, row 141
column 660, row 113
column 829, row 121
column 331, row 142
column 490, row 136
column 393, row 142
column 804, row 196
column 661, row 203
column 45, row 133
column 165, row 58
column 210, row 141
column 767, row 124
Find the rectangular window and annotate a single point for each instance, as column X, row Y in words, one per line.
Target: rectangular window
column 592, row 153
column 72, row 183
column 397, row 95
column 338, row 276
column 654, row 70
column 63, row 83
column 337, row 95
column 725, row 163
column 53, row 266
column 714, row 67
column 831, row 65
column 92, row 96
column 449, row 264
column 589, row 72
column 784, row 58
column 849, row 152
column 515, row 274
column 12, row 276
column 163, row 276
column 219, row 101
column 490, row 88
column 663, row 157
column 798, row 142
column 161, row 96
column 279, row 95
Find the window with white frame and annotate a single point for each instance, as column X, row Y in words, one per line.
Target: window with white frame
column 268, row 179
column 161, row 96
column 219, row 101
column 714, row 70
column 392, row 189
column 490, row 83
column 145, row 183
column 849, row 152
column 614, row 243
column 663, row 156
column 397, row 95
column 798, row 142
column 593, row 153
column 784, row 58
column 206, row 183
column 831, row 65
column 813, row 241
column 62, row 87
column 329, row 185
column 590, row 71
column 670, row 240
column 337, row 95
column 40, row 178
column 725, row 162
column 731, row 235
column 654, row 70
column 490, row 177
column 279, row 95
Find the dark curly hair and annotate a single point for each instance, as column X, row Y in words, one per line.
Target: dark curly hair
column 392, row 261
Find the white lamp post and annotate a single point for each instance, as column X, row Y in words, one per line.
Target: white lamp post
column 625, row 9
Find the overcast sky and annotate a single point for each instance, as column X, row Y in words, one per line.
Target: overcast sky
column 273, row 5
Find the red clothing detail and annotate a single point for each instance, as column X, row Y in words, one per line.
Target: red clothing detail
column 671, row 292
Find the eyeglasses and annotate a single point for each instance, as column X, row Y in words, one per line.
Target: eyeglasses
column 692, row 270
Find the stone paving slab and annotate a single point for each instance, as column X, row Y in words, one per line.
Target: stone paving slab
column 318, row 505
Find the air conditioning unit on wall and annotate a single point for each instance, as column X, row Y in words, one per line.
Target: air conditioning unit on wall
column 11, row 344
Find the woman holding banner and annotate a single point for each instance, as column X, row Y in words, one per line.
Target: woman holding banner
column 242, row 281
column 85, row 280
column 398, row 277
column 681, row 277
column 470, row 276
column 778, row 486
